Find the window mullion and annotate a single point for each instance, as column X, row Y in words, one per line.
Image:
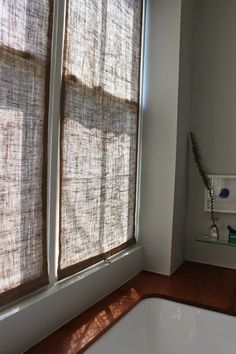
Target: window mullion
column 140, row 124
column 53, row 137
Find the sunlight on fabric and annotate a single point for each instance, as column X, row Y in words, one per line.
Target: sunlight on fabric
column 24, row 45
column 20, row 24
column 103, row 50
column 121, row 62
column 10, row 175
column 99, row 129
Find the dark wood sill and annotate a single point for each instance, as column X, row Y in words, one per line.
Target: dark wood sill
column 206, row 286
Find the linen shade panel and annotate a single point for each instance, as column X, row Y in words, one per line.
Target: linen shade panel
column 99, row 127
column 25, row 45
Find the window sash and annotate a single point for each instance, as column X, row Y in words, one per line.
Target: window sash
column 71, row 269
column 35, row 65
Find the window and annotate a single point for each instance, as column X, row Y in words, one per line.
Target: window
column 99, row 130
column 98, row 136
column 25, row 37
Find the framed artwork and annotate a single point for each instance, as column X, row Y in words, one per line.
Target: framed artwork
column 224, row 192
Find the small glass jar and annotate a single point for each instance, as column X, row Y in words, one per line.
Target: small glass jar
column 213, row 233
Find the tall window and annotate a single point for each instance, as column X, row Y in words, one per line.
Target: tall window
column 25, row 27
column 99, row 100
column 99, row 130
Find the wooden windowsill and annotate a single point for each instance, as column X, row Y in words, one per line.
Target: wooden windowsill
column 201, row 285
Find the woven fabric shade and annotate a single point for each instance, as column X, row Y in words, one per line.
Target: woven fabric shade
column 99, row 130
column 25, row 32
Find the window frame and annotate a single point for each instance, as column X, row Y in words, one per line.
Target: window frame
column 85, row 263
column 33, row 61
column 54, row 123
column 107, row 275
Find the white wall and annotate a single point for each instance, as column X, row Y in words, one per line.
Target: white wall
column 190, row 84
column 160, row 132
column 183, row 127
column 213, row 119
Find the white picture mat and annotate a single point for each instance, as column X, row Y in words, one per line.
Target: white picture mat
column 222, row 205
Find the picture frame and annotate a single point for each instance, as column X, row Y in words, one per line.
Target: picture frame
column 224, row 194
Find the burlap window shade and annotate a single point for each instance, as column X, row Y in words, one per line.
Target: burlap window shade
column 100, row 104
column 25, row 32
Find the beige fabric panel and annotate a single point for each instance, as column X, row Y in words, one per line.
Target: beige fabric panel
column 99, row 128
column 25, row 37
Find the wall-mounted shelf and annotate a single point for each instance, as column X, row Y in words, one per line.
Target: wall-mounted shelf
column 223, row 242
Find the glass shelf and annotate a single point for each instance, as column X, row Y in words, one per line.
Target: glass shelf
column 221, row 241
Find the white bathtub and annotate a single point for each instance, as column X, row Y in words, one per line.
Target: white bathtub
column 158, row 326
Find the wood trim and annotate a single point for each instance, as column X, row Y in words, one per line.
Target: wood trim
column 22, row 290
column 63, row 273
